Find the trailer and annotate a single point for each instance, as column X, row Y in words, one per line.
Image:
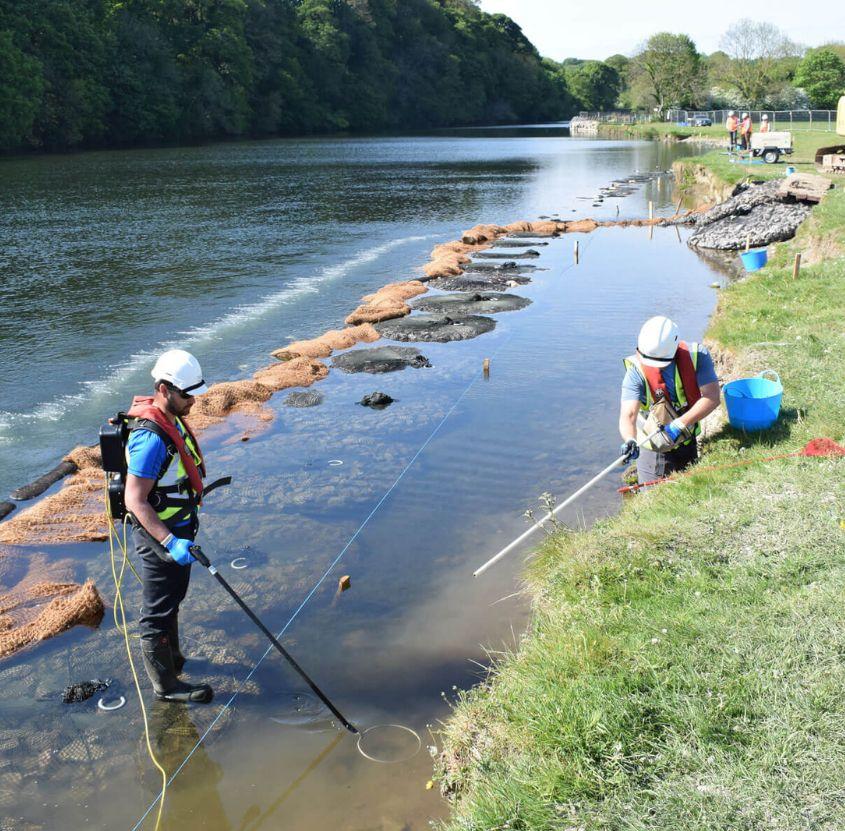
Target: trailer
column 771, row 146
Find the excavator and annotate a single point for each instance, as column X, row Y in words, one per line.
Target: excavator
column 832, row 159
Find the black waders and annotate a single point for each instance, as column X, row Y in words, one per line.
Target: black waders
column 159, row 664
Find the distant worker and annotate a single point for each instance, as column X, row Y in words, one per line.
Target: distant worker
column 668, row 385
column 732, row 125
column 745, row 130
column 164, row 488
column 764, row 123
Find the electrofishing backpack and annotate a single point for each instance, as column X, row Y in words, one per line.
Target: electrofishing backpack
column 114, row 437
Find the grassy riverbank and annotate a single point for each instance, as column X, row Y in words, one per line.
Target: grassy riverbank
column 684, row 665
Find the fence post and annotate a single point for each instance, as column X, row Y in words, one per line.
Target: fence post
column 790, row 119
column 811, row 119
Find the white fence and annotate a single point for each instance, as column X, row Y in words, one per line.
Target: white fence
column 779, row 119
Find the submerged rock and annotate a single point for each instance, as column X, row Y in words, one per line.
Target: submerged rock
column 519, row 243
column 437, row 328
column 463, row 303
column 84, row 690
column 481, row 282
column 522, row 255
column 6, row 508
column 306, row 398
column 380, row 359
column 493, row 268
column 376, row 400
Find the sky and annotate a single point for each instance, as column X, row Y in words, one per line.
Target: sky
column 566, row 29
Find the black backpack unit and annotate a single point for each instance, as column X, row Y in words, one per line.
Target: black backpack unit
column 114, row 436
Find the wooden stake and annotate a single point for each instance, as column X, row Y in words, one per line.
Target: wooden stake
column 678, row 208
column 747, row 242
column 344, row 583
column 796, row 266
column 486, row 367
column 651, row 232
column 577, row 253
column 650, row 209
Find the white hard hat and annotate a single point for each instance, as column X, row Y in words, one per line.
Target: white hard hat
column 745, row 115
column 765, row 117
column 181, row 369
column 732, row 112
column 658, row 341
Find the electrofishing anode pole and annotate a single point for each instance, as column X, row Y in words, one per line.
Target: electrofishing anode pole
column 200, row 557
column 560, row 507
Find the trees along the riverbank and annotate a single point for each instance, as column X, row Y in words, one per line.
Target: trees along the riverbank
column 98, row 72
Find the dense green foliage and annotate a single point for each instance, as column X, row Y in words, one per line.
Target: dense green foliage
column 822, row 75
column 101, row 72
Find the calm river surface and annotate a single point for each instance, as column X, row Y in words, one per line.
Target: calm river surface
column 231, row 251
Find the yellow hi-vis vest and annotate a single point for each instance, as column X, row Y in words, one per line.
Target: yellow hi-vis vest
column 172, row 496
column 679, row 402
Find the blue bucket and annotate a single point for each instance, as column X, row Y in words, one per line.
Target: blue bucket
column 754, row 403
column 789, row 170
column 755, row 259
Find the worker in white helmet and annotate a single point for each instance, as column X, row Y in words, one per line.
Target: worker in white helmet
column 164, row 488
column 668, row 385
column 746, row 128
column 732, row 126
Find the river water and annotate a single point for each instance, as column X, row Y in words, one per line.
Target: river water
column 231, row 251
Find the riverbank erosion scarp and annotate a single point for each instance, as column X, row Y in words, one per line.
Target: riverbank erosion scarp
column 683, row 666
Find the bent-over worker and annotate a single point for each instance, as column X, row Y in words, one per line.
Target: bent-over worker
column 164, row 488
column 668, row 385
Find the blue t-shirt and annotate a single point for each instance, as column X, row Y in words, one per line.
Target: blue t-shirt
column 147, row 452
column 633, row 384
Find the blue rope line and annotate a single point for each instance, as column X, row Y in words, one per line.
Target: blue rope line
column 322, row 579
column 317, row 586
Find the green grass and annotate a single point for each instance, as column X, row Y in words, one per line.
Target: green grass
column 685, row 662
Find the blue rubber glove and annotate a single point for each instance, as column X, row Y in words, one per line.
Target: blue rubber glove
column 629, row 450
column 674, row 430
column 180, row 550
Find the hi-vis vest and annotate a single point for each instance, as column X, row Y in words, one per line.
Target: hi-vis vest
column 686, row 385
column 172, row 497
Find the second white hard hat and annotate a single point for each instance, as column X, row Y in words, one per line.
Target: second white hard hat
column 658, row 341
column 181, row 369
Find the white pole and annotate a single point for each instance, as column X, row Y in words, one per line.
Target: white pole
column 560, row 507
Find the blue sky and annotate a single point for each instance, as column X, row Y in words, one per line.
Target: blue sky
column 565, row 29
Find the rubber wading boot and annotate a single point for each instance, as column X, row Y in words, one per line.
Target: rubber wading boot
column 178, row 657
column 158, row 662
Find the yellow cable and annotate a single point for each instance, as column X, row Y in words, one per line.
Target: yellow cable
column 118, row 606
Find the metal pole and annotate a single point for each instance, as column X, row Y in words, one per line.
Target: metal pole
column 200, row 557
column 568, row 501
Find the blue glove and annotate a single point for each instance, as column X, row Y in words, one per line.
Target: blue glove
column 629, row 450
column 674, row 430
column 180, row 550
